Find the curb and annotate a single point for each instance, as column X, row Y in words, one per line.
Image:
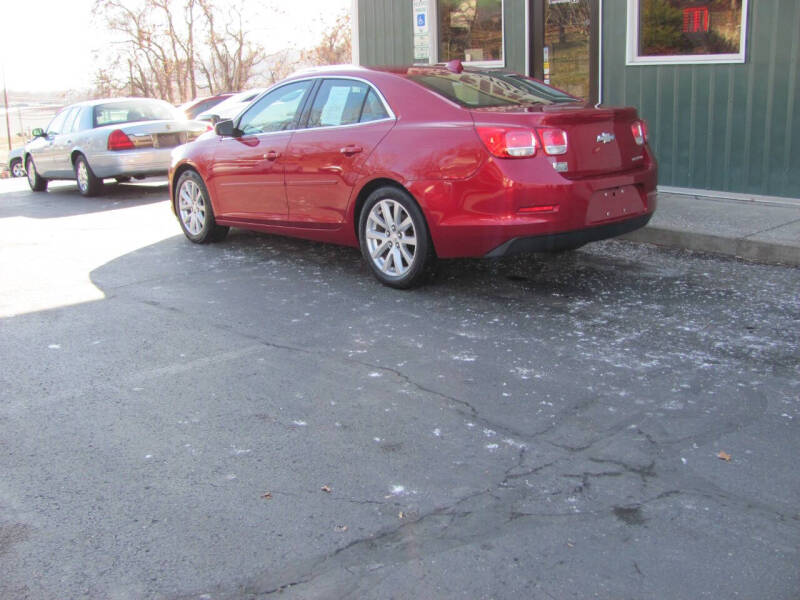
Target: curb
column 748, row 249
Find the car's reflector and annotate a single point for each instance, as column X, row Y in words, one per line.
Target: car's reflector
column 118, row 140
column 505, row 142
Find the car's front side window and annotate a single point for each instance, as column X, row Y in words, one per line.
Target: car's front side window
column 72, row 121
column 277, row 111
column 57, row 124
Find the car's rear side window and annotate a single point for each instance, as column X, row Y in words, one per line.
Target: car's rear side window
column 374, row 109
column 338, row 102
column 483, row 89
column 130, row 111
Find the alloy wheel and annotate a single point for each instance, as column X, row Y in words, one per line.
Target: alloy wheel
column 391, row 238
column 83, row 175
column 31, row 173
column 192, row 207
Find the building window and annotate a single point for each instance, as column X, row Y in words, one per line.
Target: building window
column 686, row 31
column 470, row 30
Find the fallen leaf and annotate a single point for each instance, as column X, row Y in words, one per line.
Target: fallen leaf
column 326, row 489
column 401, row 515
column 267, row 495
column 724, row 456
column 341, row 528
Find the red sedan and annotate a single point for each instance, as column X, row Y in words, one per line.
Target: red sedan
column 415, row 163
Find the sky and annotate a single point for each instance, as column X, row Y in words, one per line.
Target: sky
column 50, row 44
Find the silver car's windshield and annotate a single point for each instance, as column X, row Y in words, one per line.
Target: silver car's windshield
column 128, row 111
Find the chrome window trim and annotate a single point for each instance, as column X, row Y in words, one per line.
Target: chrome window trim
column 314, row 78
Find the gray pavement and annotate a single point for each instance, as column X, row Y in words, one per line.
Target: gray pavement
column 534, row 427
column 763, row 231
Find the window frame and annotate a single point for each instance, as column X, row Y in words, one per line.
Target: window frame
column 632, row 45
column 433, row 11
column 303, row 122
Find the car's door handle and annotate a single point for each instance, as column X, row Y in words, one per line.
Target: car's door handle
column 272, row 155
column 351, row 149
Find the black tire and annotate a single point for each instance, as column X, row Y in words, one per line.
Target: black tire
column 16, row 168
column 196, row 216
column 88, row 183
column 36, row 181
column 122, row 179
column 390, row 243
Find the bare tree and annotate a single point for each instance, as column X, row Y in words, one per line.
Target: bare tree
column 166, row 48
column 335, row 46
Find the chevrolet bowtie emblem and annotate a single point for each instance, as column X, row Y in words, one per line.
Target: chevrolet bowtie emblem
column 606, row 138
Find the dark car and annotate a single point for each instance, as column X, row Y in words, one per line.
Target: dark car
column 415, row 163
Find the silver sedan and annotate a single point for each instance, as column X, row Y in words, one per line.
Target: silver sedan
column 101, row 139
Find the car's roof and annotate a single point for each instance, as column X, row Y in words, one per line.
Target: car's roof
column 99, row 101
column 360, row 71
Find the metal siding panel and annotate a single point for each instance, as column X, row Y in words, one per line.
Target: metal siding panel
column 724, row 127
column 514, row 35
column 702, row 118
column 385, row 33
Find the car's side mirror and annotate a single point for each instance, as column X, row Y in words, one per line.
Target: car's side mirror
column 226, row 128
column 38, row 132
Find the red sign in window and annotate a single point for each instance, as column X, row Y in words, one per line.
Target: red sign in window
column 695, row 19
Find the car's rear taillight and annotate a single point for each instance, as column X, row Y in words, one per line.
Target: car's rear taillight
column 508, row 142
column 639, row 131
column 118, row 140
column 554, row 141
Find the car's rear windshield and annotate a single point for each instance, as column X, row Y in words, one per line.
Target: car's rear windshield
column 128, row 111
column 483, row 89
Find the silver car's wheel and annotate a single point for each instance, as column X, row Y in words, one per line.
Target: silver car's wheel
column 88, row 183
column 194, row 210
column 17, row 170
column 192, row 206
column 83, row 176
column 391, row 238
column 36, row 181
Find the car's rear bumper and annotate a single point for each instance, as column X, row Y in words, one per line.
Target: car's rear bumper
column 529, row 208
column 568, row 239
column 141, row 163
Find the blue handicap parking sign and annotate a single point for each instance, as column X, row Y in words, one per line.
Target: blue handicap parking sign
column 421, row 20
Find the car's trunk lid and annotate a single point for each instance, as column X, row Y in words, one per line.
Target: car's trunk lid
column 161, row 133
column 599, row 140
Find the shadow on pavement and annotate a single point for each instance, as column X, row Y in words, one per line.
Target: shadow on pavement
column 64, row 200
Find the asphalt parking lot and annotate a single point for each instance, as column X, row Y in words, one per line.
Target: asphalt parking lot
column 261, row 417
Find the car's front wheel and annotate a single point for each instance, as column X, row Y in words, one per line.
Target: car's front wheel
column 195, row 214
column 17, row 170
column 36, row 181
column 394, row 238
column 88, row 183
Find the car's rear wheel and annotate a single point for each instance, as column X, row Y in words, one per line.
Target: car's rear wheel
column 17, row 170
column 36, row 181
column 88, row 183
column 195, row 214
column 394, row 238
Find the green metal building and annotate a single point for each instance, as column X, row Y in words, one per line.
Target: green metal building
column 717, row 80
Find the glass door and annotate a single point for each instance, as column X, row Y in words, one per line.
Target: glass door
column 565, row 50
